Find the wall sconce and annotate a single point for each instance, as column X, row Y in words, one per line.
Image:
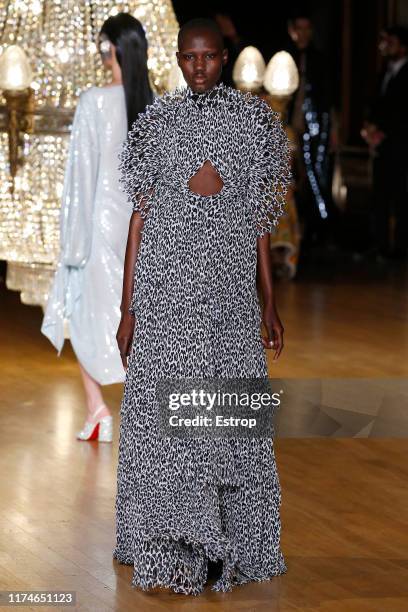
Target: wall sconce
column 281, row 80
column 249, row 69
column 15, row 80
column 281, row 75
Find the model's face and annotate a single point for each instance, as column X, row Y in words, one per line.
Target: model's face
column 201, row 58
column 301, row 32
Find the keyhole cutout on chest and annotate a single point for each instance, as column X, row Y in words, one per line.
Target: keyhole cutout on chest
column 206, row 181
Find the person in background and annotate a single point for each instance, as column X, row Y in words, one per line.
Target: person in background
column 87, row 287
column 309, row 117
column 233, row 42
column 386, row 133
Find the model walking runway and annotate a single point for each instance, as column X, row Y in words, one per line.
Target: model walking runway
column 182, row 502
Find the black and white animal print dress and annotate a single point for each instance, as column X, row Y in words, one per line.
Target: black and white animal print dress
column 183, row 502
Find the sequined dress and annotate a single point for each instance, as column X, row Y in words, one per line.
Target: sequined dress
column 87, row 287
column 182, row 502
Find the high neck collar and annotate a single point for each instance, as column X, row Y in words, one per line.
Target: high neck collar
column 195, row 95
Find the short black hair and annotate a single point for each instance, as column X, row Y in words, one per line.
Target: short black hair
column 200, row 23
column 400, row 32
column 295, row 15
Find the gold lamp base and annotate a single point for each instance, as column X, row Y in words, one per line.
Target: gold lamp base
column 20, row 120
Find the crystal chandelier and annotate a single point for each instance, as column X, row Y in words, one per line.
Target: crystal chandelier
column 59, row 40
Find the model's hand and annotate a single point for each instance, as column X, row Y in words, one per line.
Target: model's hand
column 124, row 336
column 274, row 328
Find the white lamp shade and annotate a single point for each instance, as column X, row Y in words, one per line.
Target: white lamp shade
column 249, row 69
column 176, row 78
column 281, row 75
column 15, row 70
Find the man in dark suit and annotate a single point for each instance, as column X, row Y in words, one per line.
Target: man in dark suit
column 386, row 133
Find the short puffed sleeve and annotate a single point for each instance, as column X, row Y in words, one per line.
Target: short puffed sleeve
column 140, row 157
column 269, row 174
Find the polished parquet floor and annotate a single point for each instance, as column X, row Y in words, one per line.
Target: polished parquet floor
column 345, row 499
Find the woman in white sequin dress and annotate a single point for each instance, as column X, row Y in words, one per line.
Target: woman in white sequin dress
column 87, row 287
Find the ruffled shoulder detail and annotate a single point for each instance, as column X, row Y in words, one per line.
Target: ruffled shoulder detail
column 270, row 173
column 140, row 159
column 220, row 94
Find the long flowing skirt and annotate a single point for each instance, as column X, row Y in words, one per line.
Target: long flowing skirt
column 183, row 502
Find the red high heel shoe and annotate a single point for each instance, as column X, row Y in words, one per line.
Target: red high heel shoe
column 102, row 430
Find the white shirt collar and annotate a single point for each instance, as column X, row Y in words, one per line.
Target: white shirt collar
column 396, row 66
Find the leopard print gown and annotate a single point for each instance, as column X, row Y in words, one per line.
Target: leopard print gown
column 183, row 502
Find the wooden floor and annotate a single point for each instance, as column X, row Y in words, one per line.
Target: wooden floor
column 345, row 501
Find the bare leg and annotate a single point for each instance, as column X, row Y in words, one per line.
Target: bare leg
column 94, row 398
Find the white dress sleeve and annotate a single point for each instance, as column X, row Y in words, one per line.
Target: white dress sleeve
column 79, row 185
column 76, row 220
